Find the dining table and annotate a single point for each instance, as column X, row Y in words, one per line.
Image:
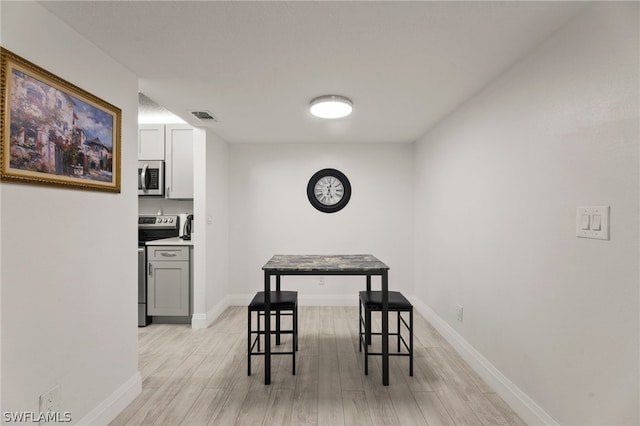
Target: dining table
column 365, row 265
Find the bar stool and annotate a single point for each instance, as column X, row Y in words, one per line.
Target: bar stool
column 371, row 301
column 283, row 303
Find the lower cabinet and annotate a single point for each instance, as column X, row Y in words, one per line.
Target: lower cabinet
column 168, row 280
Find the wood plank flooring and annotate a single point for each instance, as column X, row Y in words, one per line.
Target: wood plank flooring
column 199, row 377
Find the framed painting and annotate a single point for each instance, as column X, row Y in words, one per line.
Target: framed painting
column 54, row 133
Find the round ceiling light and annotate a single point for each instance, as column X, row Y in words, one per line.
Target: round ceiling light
column 331, row 106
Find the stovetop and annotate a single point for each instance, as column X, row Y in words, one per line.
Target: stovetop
column 156, row 227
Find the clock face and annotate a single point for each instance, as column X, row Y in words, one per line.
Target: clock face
column 329, row 190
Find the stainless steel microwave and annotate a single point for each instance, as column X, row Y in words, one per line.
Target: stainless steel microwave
column 151, row 178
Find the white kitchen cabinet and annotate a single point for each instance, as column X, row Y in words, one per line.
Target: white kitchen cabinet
column 179, row 161
column 168, row 281
column 151, row 142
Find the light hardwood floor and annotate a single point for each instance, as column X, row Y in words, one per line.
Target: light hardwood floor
column 199, row 377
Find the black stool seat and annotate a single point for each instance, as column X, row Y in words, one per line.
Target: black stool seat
column 373, row 301
column 279, row 300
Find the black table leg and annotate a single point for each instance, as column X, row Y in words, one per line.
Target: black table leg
column 277, row 313
column 385, row 328
column 367, row 313
column 267, row 328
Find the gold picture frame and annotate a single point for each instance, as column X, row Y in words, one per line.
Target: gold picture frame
column 55, row 133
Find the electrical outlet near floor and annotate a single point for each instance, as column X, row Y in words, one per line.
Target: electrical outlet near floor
column 459, row 310
column 321, row 281
column 49, row 401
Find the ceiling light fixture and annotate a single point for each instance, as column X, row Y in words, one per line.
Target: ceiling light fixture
column 331, row 106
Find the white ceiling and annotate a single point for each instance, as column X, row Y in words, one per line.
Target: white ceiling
column 256, row 65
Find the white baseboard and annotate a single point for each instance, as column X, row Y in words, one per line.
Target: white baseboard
column 519, row 401
column 109, row 409
column 199, row 321
column 328, row 299
column 304, row 299
column 205, row 320
column 239, row 299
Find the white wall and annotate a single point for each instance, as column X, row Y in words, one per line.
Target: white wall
column 270, row 214
column 497, row 186
column 69, row 257
column 211, row 228
column 216, row 222
column 153, row 205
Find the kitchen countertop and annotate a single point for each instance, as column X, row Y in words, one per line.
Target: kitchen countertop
column 173, row 241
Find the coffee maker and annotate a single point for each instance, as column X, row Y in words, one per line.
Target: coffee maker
column 186, row 228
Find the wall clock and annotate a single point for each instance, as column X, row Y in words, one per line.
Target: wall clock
column 329, row 190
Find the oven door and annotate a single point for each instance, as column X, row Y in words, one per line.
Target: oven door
column 150, row 178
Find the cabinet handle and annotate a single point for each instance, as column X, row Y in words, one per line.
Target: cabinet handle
column 150, row 270
column 168, row 254
column 168, row 190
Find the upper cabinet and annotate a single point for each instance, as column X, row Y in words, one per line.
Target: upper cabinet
column 151, row 142
column 179, row 161
column 173, row 144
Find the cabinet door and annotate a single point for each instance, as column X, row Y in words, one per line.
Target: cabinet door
column 179, row 161
column 151, row 142
column 168, row 288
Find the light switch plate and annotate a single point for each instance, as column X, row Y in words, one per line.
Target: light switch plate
column 597, row 222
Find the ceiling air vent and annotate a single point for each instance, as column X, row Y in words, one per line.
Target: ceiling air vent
column 204, row 115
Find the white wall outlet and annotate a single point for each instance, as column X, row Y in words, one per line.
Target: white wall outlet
column 459, row 311
column 50, row 401
column 321, row 281
column 593, row 222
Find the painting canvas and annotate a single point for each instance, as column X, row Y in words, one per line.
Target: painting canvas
column 54, row 133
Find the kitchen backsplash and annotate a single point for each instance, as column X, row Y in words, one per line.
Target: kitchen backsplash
column 151, row 205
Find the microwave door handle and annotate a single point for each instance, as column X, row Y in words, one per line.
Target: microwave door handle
column 143, row 177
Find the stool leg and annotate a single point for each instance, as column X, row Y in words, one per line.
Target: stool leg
column 249, row 343
column 411, row 341
column 399, row 331
column 367, row 330
column 277, row 313
column 295, row 337
column 277, row 327
column 258, row 313
column 360, row 326
column 367, row 325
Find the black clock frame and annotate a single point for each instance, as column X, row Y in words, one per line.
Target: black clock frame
column 312, row 196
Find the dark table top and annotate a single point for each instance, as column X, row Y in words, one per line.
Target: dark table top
column 329, row 263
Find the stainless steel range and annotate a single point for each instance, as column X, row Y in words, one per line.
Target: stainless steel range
column 151, row 228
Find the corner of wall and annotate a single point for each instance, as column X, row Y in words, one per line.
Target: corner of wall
column 199, row 321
